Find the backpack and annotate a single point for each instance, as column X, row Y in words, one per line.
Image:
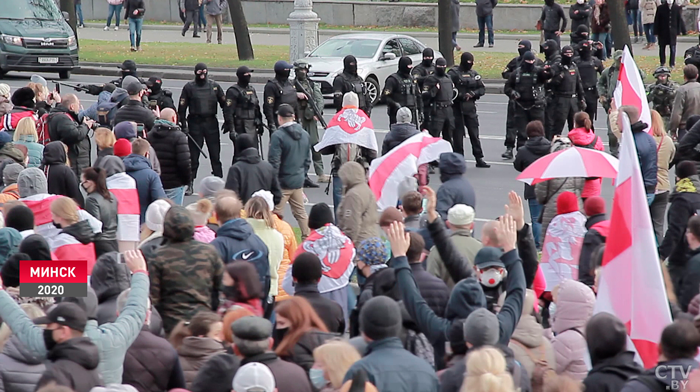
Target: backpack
column 347, row 152
column 419, row 345
column 542, row 371
column 42, row 129
column 651, row 382
column 106, row 112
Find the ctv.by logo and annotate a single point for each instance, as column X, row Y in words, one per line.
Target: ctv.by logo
column 664, row 372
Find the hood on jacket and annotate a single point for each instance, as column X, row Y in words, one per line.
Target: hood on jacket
column 639, row 127
column 54, row 154
column 162, row 127
column 538, row 145
column 109, row 277
column 249, row 155
column 403, row 130
column 15, row 349
column 237, row 229
column 575, row 303
column 81, row 231
column 352, row 174
column 119, row 95
column 451, row 165
column 79, row 350
column 528, row 331
column 688, row 185
column 9, row 150
column 581, row 136
column 606, row 337
column 112, row 165
column 9, row 243
column 31, row 181
column 294, row 130
column 36, row 247
column 199, row 347
column 136, row 162
column 466, row 297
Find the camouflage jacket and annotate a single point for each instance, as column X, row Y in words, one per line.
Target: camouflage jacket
column 661, row 97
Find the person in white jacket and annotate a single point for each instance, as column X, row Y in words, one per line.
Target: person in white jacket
column 115, row 9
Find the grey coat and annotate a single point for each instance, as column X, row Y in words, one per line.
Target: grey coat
column 20, row 370
column 485, row 7
column 455, row 16
column 106, row 212
column 548, row 191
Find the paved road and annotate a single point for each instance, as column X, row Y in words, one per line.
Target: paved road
column 491, row 185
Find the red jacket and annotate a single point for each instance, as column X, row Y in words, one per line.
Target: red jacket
column 10, row 120
column 580, row 137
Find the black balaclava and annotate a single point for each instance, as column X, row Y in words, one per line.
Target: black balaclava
column 440, row 67
column 550, row 48
column 582, row 31
column 200, row 73
column 243, row 74
column 585, row 50
column 350, row 64
column 405, row 65
column 282, row 70
column 154, row 84
column 524, row 46
column 567, row 54
column 466, row 61
column 549, row 2
column 528, row 63
column 428, row 55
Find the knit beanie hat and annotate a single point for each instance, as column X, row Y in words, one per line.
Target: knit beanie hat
column 155, row 215
column 31, row 181
column 23, row 97
column 10, row 173
column 567, row 202
column 199, row 217
column 267, row 195
column 4, row 90
column 10, row 270
column 125, row 130
column 122, row 148
column 403, row 115
column 178, row 225
column 306, row 268
column 36, row 247
column 320, row 215
column 20, row 218
column 372, row 251
column 210, row 185
column 380, row 318
column 245, row 141
column 686, row 169
column 481, row 328
column 594, row 206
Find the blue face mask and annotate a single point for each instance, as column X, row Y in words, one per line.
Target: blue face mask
column 317, row 378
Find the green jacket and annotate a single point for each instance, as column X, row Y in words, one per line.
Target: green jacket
column 608, row 81
column 112, row 339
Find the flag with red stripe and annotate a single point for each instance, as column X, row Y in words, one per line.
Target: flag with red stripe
column 631, row 285
column 349, row 126
column 123, row 187
column 630, row 88
column 387, row 172
column 40, row 205
column 66, row 247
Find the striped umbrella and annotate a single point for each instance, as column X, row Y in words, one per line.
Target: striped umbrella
column 572, row 162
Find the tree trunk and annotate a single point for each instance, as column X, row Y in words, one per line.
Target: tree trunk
column 445, row 30
column 69, row 7
column 240, row 30
column 618, row 22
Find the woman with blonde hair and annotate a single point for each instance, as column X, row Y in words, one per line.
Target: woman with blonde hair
column 331, row 361
column 200, row 212
column 105, row 139
column 26, row 135
column 486, row 372
column 152, row 229
column 259, row 215
column 665, row 152
column 75, row 240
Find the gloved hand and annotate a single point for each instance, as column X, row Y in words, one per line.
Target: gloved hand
column 232, row 135
column 582, row 105
column 183, row 128
column 272, row 128
column 227, row 127
column 92, row 89
column 515, row 95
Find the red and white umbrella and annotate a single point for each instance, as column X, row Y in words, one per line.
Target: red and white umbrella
column 572, row 162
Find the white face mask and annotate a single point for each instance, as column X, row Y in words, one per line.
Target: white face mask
column 490, row 278
column 580, row 1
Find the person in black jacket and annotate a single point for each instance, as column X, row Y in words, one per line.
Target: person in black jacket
column 109, row 278
column 580, row 14
column 306, row 272
column 667, row 26
column 74, row 358
column 134, row 110
column 250, row 173
column 173, row 152
column 65, row 126
column 613, row 364
column 691, row 279
column 61, row 179
column 598, row 226
column 151, row 364
column 551, row 19
column 432, row 288
column 399, row 132
column 684, row 203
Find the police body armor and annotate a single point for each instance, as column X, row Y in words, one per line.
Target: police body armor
column 356, row 85
column 468, row 82
column 247, row 107
column 589, row 75
column 287, row 94
column 204, row 101
column 408, row 88
column 444, row 96
column 422, row 72
column 662, row 98
column 567, row 86
column 304, row 106
column 526, row 85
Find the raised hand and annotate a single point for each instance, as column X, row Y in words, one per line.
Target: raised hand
column 515, row 209
column 399, row 239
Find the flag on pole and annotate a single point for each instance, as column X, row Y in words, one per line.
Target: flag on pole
column 630, row 88
column 349, row 126
column 123, row 187
column 631, row 285
column 387, row 172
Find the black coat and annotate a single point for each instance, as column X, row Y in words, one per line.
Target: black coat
column 397, row 135
column 328, row 310
column 64, row 127
column 173, row 152
column 610, row 375
column 216, row 375
column 592, row 240
column 667, row 23
column 151, row 364
column 690, row 285
column 74, row 365
column 61, row 179
column 431, row 288
column 136, row 112
column 303, row 352
column 534, row 149
column 250, row 174
column 683, row 205
column 289, row 377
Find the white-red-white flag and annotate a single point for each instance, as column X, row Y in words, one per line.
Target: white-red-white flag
column 40, row 204
column 349, row 126
column 630, row 88
column 123, row 187
column 387, row 172
column 631, row 284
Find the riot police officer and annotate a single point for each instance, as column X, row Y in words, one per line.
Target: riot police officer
column 310, row 91
column 470, row 88
column 426, row 68
column 201, row 97
column 525, row 87
column 401, row 90
column 662, row 93
column 552, row 57
column 437, row 93
column 348, row 81
column 278, row 91
column 128, row 68
column 242, row 112
column 157, row 96
column 567, row 94
column 589, row 67
column 692, row 56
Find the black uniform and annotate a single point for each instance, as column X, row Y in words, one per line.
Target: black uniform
column 470, row 88
column 349, row 81
column 242, row 112
column 128, row 68
column 437, row 94
column 278, row 91
column 589, row 67
column 567, row 94
column 526, row 87
column 426, row 68
column 552, row 57
column 158, row 96
column 692, row 56
column 401, row 90
column 201, row 96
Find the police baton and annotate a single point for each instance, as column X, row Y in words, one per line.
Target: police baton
column 196, row 145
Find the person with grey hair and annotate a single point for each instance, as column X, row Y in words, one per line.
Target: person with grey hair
column 151, row 363
column 399, row 132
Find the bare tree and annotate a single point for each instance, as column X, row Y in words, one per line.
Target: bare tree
column 618, row 23
column 445, row 30
column 69, row 7
column 240, row 29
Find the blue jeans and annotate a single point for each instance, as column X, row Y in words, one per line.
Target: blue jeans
column 649, row 33
column 454, row 39
column 602, row 38
column 79, row 14
column 633, row 19
column 115, row 10
column 135, row 25
column 177, row 195
column 337, row 195
column 535, row 211
column 650, row 198
column 485, row 21
column 202, row 17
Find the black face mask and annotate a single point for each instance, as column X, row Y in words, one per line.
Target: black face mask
column 527, row 67
column 440, row 71
column 428, row 55
column 405, row 65
column 585, row 52
column 155, row 88
column 128, row 72
column 549, row 2
column 301, row 74
column 49, row 342
column 201, row 78
column 466, row 61
column 522, row 50
column 56, row 225
column 282, row 75
column 566, row 60
column 350, row 65
column 244, row 80
column 279, row 333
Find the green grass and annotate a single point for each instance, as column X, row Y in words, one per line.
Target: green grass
column 297, row 233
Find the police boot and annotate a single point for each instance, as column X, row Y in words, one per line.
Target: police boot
column 480, row 162
column 309, row 184
column 190, row 189
column 508, row 154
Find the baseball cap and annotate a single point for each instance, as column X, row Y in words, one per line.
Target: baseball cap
column 67, row 314
column 460, row 215
column 132, row 85
column 128, row 65
column 285, row 110
column 487, row 257
column 253, row 377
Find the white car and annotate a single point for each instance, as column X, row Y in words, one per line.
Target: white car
column 377, row 57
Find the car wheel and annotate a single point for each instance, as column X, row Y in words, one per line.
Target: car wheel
column 63, row 75
column 372, row 86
